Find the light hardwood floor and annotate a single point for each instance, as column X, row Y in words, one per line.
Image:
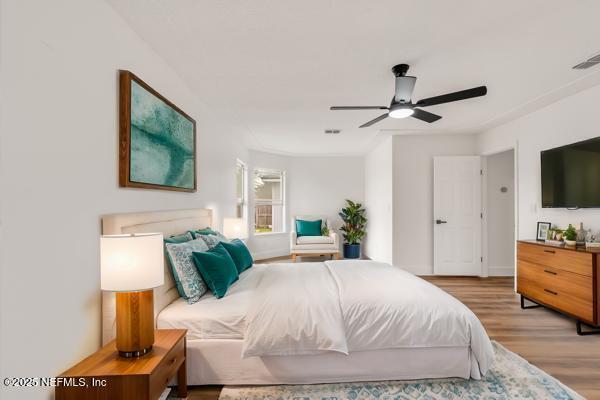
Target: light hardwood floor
column 544, row 338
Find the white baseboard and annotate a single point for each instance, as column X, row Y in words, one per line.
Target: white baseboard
column 501, row 271
column 263, row 255
column 425, row 270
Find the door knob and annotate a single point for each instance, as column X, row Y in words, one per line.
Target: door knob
column 439, row 221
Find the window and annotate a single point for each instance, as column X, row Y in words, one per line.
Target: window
column 240, row 188
column 269, row 189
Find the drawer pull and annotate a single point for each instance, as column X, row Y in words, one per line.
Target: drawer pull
column 550, row 291
column 173, row 360
column 550, row 251
column 550, row 272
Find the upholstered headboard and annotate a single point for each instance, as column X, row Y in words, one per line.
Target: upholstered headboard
column 168, row 223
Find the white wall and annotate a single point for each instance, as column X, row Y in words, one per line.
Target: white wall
column 569, row 120
column 320, row 185
column 59, row 173
column 314, row 185
column 500, row 213
column 413, row 195
column 379, row 202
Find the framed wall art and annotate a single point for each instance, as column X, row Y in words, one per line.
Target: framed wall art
column 157, row 140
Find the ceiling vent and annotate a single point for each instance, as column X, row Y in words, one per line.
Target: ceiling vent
column 332, row 131
column 590, row 62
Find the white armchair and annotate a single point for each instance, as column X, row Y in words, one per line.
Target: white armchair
column 314, row 245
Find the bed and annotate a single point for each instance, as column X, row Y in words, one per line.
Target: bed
column 347, row 320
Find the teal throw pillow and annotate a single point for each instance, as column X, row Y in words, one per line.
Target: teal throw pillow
column 239, row 253
column 217, row 269
column 308, row 228
column 186, row 237
column 205, row 231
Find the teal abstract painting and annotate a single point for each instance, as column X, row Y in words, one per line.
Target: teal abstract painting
column 161, row 140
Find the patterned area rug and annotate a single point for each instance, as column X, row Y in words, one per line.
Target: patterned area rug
column 511, row 377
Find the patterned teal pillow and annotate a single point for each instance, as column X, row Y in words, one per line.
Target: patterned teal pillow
column 187, row 278
column 213, row 240
column 186, row 237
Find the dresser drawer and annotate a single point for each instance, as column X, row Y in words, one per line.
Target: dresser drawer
column 566, row 260
column 167, row 368
column 566, row 291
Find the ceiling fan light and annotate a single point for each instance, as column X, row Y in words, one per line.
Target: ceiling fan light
column 401, row 112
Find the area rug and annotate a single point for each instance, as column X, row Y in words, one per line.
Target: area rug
column 511, row 377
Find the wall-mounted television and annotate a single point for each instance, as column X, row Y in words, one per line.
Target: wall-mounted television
column 571, row 175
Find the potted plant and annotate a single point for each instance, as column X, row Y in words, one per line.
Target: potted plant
column 353, row 229
column 570, row 235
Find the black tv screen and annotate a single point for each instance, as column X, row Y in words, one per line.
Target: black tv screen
column 571, row 175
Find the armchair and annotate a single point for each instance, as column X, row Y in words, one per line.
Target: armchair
column 314, row 245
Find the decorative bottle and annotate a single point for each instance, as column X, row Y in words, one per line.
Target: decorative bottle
column 581, row 234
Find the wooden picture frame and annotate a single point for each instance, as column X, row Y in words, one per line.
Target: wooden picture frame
column 170, row 154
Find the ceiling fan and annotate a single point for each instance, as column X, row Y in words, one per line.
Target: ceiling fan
column 402, row 105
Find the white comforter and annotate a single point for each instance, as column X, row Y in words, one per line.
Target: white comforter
column 346, row 306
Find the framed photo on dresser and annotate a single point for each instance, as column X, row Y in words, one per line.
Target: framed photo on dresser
column 542, row 230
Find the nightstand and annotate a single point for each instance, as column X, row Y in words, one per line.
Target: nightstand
column 106, row 376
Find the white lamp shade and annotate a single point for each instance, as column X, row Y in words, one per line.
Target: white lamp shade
column 235, row 228
column 131, row 262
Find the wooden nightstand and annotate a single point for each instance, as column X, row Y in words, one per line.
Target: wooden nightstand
column 106, row 376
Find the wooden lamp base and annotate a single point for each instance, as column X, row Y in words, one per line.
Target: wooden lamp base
column 135, row 323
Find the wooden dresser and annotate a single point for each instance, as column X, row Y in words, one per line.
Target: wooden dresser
column 562, row 278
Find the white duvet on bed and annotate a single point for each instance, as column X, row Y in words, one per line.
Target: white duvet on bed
column 294, row 311
column 348, row 306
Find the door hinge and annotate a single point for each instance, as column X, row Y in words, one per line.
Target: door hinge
column 481, row 259
column 481, row 215
column 480, row 172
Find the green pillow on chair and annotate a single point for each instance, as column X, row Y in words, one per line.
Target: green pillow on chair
column 239, row 253
column 308, row 228
column 217, row 269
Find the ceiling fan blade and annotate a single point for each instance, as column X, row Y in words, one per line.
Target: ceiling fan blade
column 374, row 121
column 425, row 115
column 358, row 108
column 450, row 97
column 404, row 88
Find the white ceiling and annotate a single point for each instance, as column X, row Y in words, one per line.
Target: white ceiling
column 272, row 68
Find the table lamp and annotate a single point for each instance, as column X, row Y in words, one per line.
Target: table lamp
column 235, row 228
column 131, row 266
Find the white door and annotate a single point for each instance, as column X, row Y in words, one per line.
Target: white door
column 457, row 215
